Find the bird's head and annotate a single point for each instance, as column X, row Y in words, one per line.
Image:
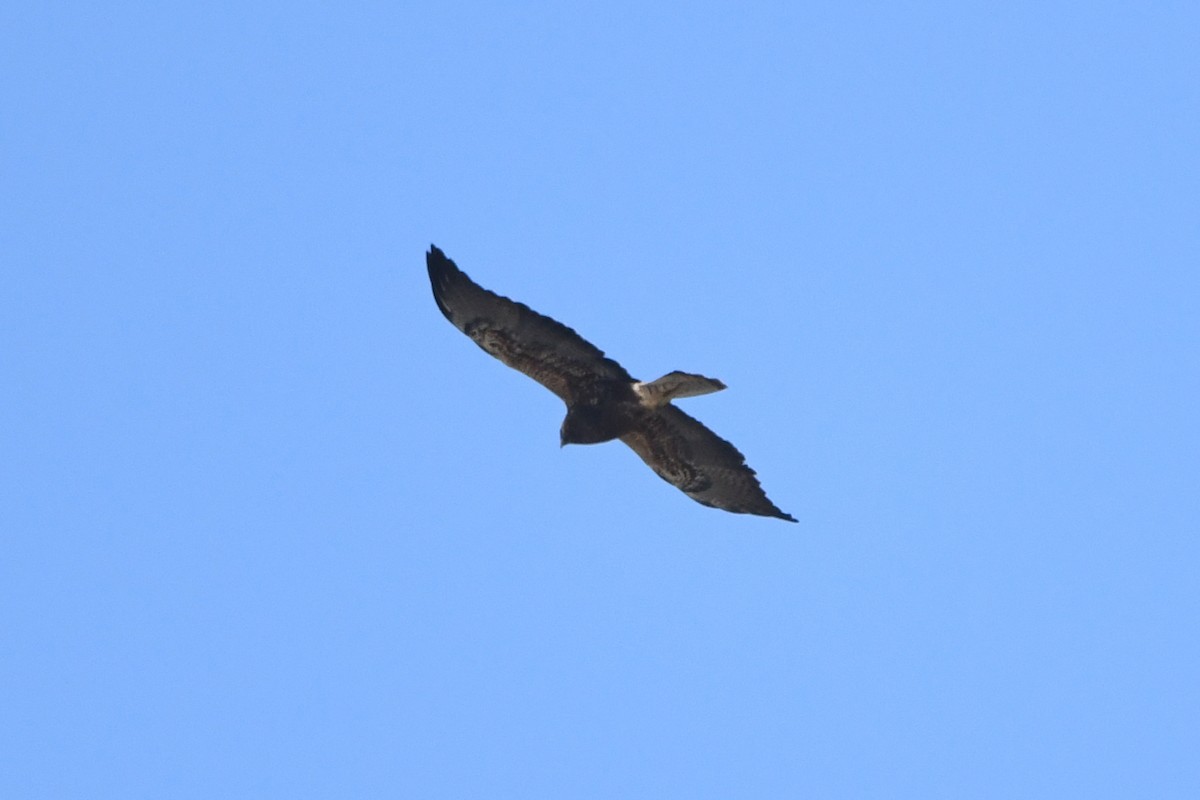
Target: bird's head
column 568, row 433
column 582, row 425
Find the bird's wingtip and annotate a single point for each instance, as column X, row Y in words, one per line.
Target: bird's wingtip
column 436, row 259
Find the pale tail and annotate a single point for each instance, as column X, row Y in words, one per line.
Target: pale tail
column 673, row 385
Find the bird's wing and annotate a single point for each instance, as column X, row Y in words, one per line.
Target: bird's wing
column 545, row 350
column 704, row 466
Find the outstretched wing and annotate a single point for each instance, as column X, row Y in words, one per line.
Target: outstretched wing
column 547, row 351
column 704, row 466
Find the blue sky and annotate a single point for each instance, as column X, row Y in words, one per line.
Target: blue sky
column 273, row 528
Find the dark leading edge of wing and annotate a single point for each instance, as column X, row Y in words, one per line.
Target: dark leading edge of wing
column 542, row 348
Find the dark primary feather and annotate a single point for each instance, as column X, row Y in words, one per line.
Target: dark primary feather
column 545, row 350
column 708, row 469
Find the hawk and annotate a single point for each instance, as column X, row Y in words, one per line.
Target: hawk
column 604, row 402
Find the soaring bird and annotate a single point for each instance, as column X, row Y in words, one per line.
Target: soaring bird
column 603, row 401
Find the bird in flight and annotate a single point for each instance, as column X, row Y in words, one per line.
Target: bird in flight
column 603, row 401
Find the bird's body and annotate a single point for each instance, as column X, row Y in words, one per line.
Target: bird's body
column 604, row 402
column 608, row 410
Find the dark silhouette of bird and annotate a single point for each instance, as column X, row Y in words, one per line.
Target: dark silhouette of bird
column 604, row 402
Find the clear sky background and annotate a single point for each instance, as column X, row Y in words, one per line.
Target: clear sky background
column 273, row 528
